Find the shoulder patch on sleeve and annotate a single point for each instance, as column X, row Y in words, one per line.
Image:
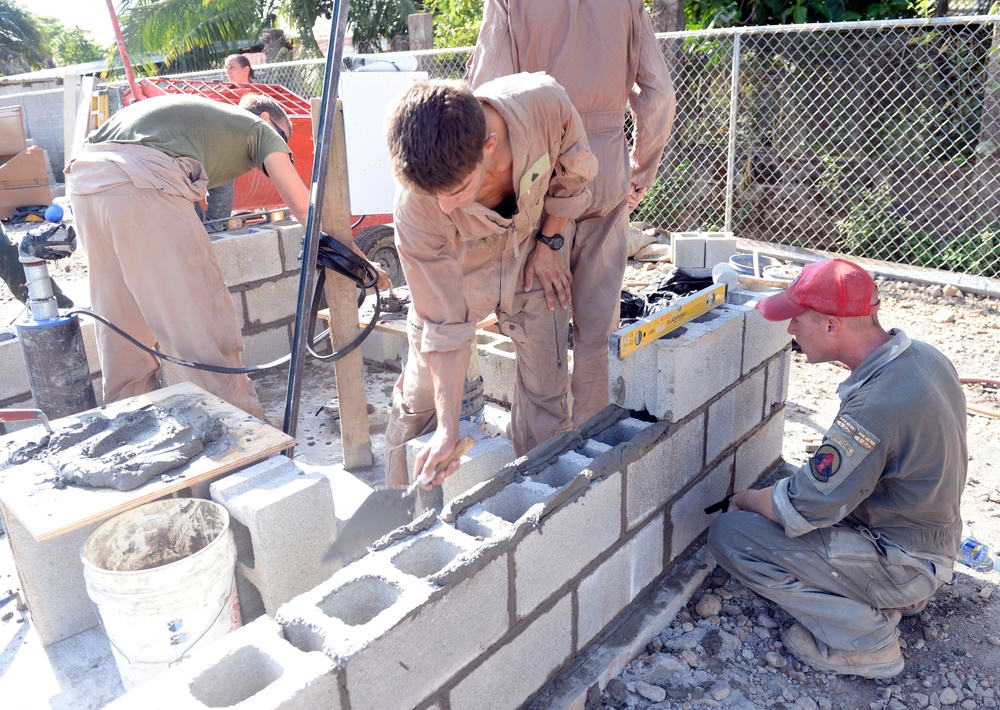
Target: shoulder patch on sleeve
column 845, row 446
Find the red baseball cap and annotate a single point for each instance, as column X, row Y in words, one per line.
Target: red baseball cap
column 835, row 287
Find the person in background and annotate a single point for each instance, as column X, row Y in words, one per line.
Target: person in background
column 219, row 199
column 559, row 37
column 869, row 527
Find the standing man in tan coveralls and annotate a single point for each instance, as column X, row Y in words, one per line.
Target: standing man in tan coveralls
column 604, row 53
column 486, row 179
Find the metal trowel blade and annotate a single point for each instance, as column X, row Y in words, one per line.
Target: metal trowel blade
column 382, row 511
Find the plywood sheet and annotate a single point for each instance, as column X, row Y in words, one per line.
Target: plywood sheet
column 46, row 511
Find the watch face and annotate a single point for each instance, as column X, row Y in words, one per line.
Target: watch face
column 555, row 242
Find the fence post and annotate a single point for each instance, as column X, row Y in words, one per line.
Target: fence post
column 733, row 106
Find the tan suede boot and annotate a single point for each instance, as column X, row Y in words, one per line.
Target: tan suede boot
column 884, row 663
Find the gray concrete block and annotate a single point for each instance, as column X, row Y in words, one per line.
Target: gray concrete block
column 240, row 306
column 606, row 591
column 719, row 247
column 699, row 363
column 484, row 460
column 778, row 370
column 688, row 249
column 51, row 576
column 687, row 514
column 496, row 365
column 521, row 666
column 290, row 235
column 760, row 451
column 248, row 255
column 384, row 348
column 655, row 478
column 552, row 554
column 267, row 345
column 734, row 415
column 272, row 300
column 14, row 382
column 271, row 500
column 565, row 469
column 400, row 669
column 252, row 668
column 762, row 338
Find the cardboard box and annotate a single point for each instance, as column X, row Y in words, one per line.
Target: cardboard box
column 23, row 178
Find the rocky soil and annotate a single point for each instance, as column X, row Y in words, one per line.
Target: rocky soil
column 724, row 649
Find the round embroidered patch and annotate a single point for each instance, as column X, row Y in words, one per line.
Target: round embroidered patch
column 825, row 463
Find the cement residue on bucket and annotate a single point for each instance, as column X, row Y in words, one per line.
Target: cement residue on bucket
column 127, row 451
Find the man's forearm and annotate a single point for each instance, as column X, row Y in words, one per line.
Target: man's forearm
column 448, row 370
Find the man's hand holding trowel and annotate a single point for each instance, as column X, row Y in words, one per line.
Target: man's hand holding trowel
column 439, row 459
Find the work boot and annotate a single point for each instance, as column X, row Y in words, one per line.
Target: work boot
column 883, row 663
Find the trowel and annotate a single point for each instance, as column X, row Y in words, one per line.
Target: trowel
column 384, row 510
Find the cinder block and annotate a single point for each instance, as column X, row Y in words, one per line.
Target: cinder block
column 14, row 382
column 688, row 249
column 290, row 235
column 759, row 452
column 521, row 665
column 496, row 365
column 384, row 348
column 778, row 370
column 272, row 300
column 552, row 554
column 272, row 499
column 485, row 459
column 253, row 668
column 611, row 587
column 655, row 478
column 248, row 255
column 621, row 431
column 267, row 345
column 719, row 247
column 417, row 656
column 565, row 469
column 51, row 576
column 762, row 338
column 734, row 415
column 674, row 376
column 240, row 307
column 687, row 514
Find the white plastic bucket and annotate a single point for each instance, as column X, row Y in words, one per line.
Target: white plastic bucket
column 162, row 576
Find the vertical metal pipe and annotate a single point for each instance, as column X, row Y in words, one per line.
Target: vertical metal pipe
column 321, row 160
column 734, row 95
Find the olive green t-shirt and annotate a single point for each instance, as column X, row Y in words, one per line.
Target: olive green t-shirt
column 229, row 141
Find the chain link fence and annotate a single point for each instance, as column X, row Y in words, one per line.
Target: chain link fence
column 880, row 140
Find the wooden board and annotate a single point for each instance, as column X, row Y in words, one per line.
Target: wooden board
column 47, row 512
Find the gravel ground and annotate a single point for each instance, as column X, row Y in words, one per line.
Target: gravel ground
column 724, row 649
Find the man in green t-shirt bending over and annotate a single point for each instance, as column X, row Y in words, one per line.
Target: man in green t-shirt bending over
column 153, row 271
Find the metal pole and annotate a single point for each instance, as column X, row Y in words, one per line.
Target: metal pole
column 321, row 160
column 734, row 96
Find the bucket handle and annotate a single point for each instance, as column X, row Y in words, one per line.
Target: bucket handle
column 191, row 645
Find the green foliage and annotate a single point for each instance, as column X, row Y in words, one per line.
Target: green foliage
column 376, row 24
column 69, row 46
column 22, row 42
column 705, row 14
column 456, row 22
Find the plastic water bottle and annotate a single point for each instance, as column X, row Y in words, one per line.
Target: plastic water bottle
column 976, row 555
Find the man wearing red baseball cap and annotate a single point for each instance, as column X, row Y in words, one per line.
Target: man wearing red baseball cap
column 868, row 528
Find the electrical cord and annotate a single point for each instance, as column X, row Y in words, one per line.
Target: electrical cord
column 332, row 255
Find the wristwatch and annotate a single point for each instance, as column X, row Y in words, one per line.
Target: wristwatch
column 555, row 242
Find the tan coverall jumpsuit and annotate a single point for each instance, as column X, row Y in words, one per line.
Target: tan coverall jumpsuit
column 462, row 266
column 604, row 53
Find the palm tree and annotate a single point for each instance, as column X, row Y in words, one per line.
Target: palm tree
column 22, row 42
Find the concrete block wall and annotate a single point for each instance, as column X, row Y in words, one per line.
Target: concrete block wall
column 43, row 118
column 485, row 603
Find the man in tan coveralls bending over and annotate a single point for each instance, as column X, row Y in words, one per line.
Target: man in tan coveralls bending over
column 485, row 179
column 153, row 270
column 561, row 38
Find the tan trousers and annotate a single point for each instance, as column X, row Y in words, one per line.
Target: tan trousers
column 600, row 253
column 539, row 408
column 153, row 273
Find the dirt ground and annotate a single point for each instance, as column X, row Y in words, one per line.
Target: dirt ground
column 724, row 649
